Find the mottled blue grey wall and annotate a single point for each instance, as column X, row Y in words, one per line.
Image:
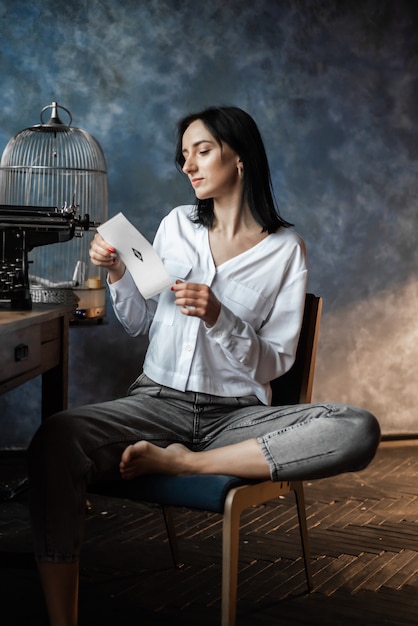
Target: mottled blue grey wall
column 333, row 86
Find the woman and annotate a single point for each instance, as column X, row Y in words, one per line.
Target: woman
column 228, row 325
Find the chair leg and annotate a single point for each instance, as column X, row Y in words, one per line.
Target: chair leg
column 230, row 548
column 297, row 487
column 172, row 537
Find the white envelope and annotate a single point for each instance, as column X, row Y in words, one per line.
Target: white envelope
column 142, row 261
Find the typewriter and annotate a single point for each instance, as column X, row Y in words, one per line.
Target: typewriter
column 22, row 228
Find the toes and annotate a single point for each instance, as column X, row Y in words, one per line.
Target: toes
column 126, row 455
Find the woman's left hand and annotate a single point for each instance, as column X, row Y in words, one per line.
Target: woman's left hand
column 197, row 300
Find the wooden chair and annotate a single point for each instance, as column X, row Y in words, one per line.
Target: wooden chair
column 229, row 495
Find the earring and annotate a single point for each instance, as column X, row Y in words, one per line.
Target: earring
column 241, row 172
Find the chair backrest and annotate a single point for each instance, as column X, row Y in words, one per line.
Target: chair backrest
column 295, row 387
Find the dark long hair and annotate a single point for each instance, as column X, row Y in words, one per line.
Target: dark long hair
column 236, row 128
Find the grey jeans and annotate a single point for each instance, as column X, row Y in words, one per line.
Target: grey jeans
column 78, row 447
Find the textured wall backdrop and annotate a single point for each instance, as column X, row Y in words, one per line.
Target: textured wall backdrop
column 333, row 85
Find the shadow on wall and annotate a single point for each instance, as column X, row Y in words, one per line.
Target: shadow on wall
column 104, row 362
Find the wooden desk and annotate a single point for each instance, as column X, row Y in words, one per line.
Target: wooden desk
column 34, row 343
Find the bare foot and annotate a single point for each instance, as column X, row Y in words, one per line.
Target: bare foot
column 144, row 457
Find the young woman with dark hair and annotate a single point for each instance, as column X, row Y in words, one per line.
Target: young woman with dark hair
column 234, row 127
column 228, row 325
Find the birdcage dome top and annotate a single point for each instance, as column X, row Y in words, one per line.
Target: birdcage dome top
column 54, row 144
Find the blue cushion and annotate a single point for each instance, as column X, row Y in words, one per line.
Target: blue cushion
column 204, row 492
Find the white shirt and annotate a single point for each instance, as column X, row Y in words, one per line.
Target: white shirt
column 262, row 295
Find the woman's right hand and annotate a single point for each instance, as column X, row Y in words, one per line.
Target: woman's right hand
column 103, row 254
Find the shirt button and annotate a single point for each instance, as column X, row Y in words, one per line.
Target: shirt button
column 218, row 334
column 188, row 347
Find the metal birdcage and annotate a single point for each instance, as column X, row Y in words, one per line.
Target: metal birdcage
column 53, row 164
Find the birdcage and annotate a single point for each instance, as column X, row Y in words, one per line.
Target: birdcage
column 53, row 164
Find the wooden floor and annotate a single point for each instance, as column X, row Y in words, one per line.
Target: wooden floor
column 364, row 549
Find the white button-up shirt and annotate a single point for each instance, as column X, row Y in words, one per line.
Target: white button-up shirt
column 262, row 295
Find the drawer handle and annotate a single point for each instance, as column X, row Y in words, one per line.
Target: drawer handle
column 21, row 352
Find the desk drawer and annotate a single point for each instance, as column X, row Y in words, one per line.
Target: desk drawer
column 20, row 351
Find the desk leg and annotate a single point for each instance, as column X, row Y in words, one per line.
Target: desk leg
column 55, row 380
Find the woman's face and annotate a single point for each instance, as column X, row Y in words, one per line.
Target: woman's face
column 212, row 168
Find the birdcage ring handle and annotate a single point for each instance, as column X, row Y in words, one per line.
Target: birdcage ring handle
column 54, row 115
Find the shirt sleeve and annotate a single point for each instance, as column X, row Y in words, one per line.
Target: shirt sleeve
column 131, row 309
column 269, row 352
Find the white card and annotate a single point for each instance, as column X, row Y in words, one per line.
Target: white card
column 142, row 261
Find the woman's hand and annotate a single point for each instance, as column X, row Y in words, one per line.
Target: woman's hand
column 197, row 300
column 104, row 255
